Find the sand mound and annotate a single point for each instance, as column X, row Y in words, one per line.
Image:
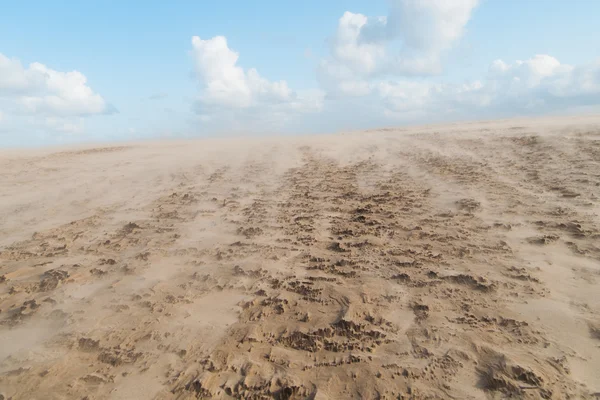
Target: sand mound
column 427, row 263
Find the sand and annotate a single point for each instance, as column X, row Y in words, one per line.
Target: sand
column 458, row 261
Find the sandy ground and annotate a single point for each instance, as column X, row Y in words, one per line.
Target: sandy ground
column 458, row 261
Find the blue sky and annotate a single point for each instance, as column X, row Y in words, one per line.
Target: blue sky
column 290, row 67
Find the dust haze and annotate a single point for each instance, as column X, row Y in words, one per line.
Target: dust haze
column 449, row 261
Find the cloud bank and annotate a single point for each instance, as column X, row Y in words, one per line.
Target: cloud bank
column 386, row 63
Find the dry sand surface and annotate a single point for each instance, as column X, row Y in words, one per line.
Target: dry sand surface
column 458, row 261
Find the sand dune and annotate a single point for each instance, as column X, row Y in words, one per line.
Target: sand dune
column 458, row 261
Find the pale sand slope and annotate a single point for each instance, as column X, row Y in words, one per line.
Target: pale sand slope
column 441, row 262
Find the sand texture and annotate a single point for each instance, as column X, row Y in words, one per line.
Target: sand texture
column 458, row 261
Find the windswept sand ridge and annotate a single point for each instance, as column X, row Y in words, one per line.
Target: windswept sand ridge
column 458, row 262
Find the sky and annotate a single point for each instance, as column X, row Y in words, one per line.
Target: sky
column 77, row 71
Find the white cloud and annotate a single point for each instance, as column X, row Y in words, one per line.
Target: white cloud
column 338, row 79
column 408, row 42
column 383, row 62
column 227, row 89
column 536, row 85
column 348, row 48
column 429, row 25
column 38, row 89
column 39, row 101
column 543, row 82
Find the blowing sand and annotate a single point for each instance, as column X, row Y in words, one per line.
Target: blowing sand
column 458, row 261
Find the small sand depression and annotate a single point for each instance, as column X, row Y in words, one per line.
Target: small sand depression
column 458, row 261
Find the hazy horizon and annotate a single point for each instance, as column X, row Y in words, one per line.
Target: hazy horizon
column 77, row 72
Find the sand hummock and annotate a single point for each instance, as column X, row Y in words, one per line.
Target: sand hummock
column 457, row 261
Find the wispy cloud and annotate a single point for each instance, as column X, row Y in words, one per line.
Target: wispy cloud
column 158, row 96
